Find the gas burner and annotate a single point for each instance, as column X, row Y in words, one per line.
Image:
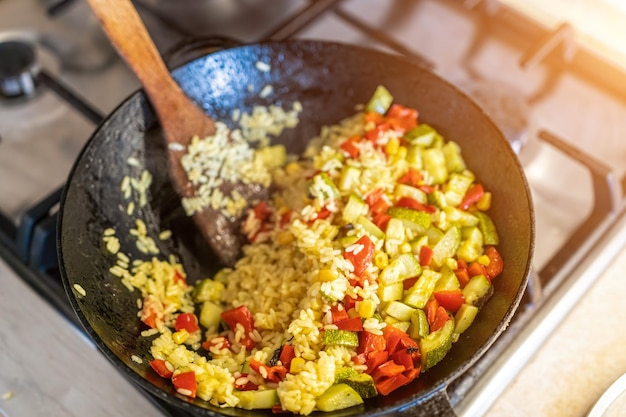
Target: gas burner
column 22, row 60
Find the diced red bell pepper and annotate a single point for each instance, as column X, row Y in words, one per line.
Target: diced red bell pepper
column 386, row 370
column 380, row 206
column 375, row 359
column 274, row 373
column 353, row 324
column 431, row 310
column 374, row 117
column 408, row 202
column 287, row 353
column 185, row 383
column 396, row 339
column 381, row 220
column 441, row 317
column 402, row 357
column 187, row 321
column 161, row 367
column 262, row 211
column 402, row 118
column 220, row 344
column 408, row 283
column 413, row 373
column 451, row 300
column 247, row 386
column 473, row 194
column 370, row 342
column 374, row 196
column 476, row 268
column 426, row 255
column 496, row 263
column 374, row 134
column 244, row 317
column 388, row 385
column 350, row 147
column 413, row 177
column 462, row 275
column 178, row 277
column 339, row 313
column 323, row 213
column 361, row 258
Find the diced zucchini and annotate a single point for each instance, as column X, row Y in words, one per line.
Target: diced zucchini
column 447, row 245
column 415, row 219
column 210, row 315
column 363, row 384
column 422, row 290
column 402, row 325
column 345, row 372
column 381, row 100
column 256, row 400
column 460, row 217
column 435, row 164
column 416, row 244
column 438, row 199
column 340, row 337
column 454, row 159
column 456, row 187
column 321, row 185
column 208, row 290
column 338, row 397
column 419, row 325
column 403, row 190
column 354, row 208
column 400, row 268
column 448, row 280
column 370, row 228
column 399, row 310
column 349, row 177
column 395, row 230
column 414, row 157
column 472, row 246
column 272, row 156
column 476, row 289
column 436, row 345
column 464, row 317
column 390, row 292
column 488, row 228
column 421, row 135
column 346, row 241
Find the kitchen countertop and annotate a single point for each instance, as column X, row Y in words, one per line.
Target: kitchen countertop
column 577, row 363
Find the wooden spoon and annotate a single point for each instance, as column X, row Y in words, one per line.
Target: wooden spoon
column 179, row 117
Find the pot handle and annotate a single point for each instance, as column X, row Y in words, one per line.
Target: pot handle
column 436, row 405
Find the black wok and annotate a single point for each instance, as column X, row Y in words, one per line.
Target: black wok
column 328, row 79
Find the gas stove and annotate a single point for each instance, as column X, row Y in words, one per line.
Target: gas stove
column 556, row 89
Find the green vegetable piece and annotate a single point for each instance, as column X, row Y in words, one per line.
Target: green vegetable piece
column 394, row 230
column 272, row 156
column 363, row 384
column 208, row 290
column 390, row 292
column 338, row 397
column 454, row 159
column 349, row 177
column 257, row 400
column 447, row 245
column 448, row 280
column 435, row 164
column 436, row 345
column 381, row 100
column 400, row 268
column 340, row 337
column 399, row 310
column 456, row 187
column 476, row 289
column 464, row 317
column 403, row 190
column 472, row 247
column 421, row 135
column 460, row 217
column 438, row 199
column 488, row 228
column 354, row 208
column 345, row 372
column 321, row 185
column 414, row 157
column 210, row 315
column 419, row 325
column 415, row 219
column 417, row 296
column 370, row 228
column 402, row 325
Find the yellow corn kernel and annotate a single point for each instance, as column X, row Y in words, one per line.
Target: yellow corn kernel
column 405, row 248
column 381, row 259
column 367, row 308
column 180, row 336
column 353, row 313
column 292, row 168
column 284, row 237
column 392, row 146
column 484, row 260
column 485, row 202
column 327, row 275
column 296, row 365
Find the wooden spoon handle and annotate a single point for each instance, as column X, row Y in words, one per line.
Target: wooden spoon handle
column 179, row 117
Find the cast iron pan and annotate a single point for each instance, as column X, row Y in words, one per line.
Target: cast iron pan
column 328, row 79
